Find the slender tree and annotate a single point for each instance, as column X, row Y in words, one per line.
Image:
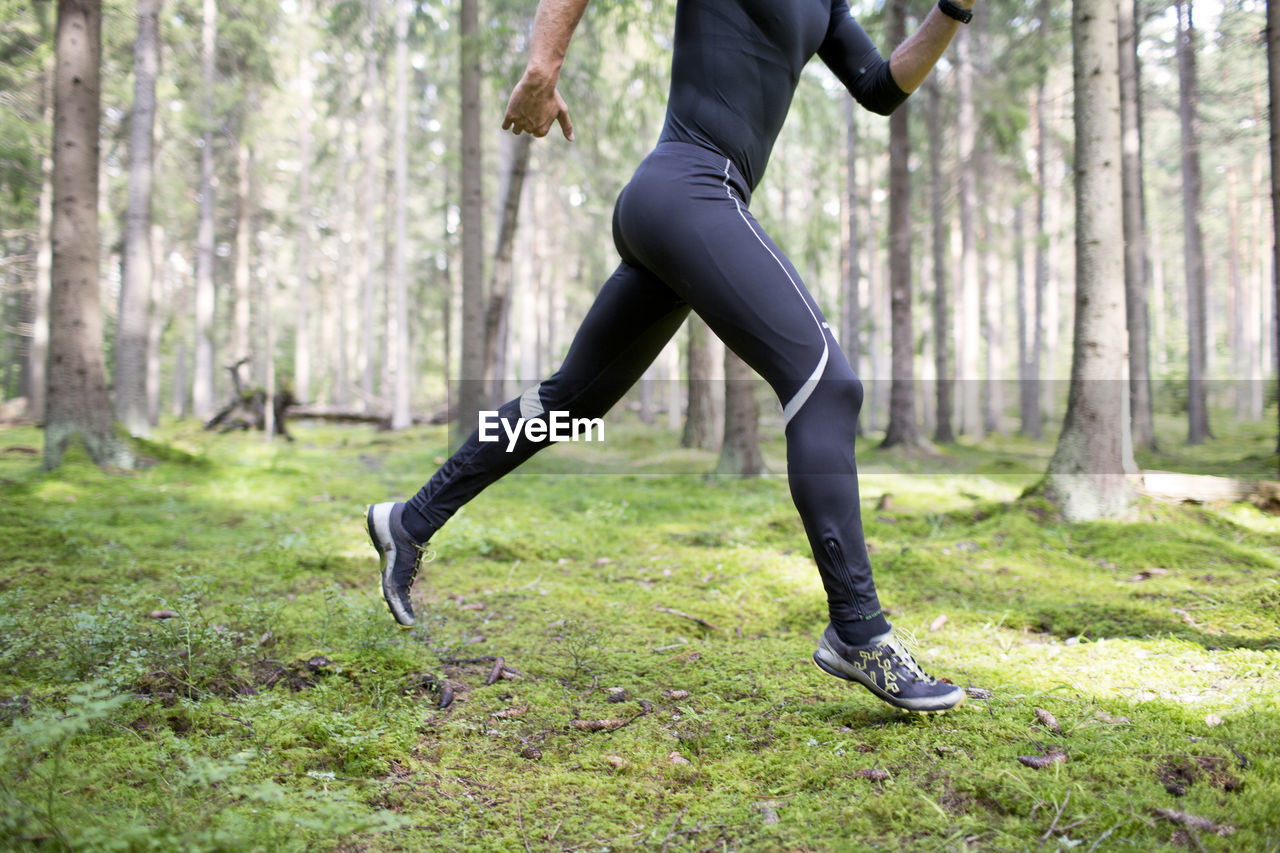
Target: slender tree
column 129, row 375
column 516, row 155
column 740, row 449
column 1136, row 274
column 1273, row 79
column 1193, row 236
column 1086, row 474
column 205, row 295
column 941, row 309
column 903, row 428
column 969, row 350
column 400, row 414
column 76, row 397
column 306, row 295
column 699, row 421
column 471, row 384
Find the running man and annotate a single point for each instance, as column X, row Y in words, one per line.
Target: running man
column 689, row 242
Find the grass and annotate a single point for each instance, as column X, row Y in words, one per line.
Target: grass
column 278, row 708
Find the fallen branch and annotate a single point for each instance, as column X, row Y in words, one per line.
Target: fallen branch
column 703, row 622
column 1191, row 821
column 1201, row 488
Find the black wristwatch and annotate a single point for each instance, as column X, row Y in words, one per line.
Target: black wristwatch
column 951, row 10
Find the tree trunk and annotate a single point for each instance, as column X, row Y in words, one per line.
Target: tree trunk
column 740, row 449
column 471, row 377
column 400, row 414
column 38, row 352
column 202, row 388
column 306, row 295
column 942, row 433
column 903, row 428
column 76, row 398
column 851, row 317
column 699, row 421
column 970, row 336
column 1086, row 473
column 343, row 263
column 241, row 277
column 1032, row 392
column 368, row 338
column 1273, row 78
column 129, row 376
column 1135, row 229
column 1193, row 248
column 518, row 149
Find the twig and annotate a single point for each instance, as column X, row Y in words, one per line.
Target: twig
column 523, row 837
column 459, row 661
column 496, row 672
column 703, row 622
column 1054, row 824
column 666, row 842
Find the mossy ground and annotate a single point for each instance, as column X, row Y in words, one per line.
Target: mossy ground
column 280, row 708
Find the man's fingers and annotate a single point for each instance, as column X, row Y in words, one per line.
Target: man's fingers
column 565, row 125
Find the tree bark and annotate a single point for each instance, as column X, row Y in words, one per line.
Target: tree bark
column 518, row 149
column 76, row 397
column 942, row 433
column 368, row 338
column 970, row 337
column 1273, row 78
column 740, row 449
column 241, row 276
column 851, row 317
column 129, row 376
column 471, row 377
column 202, row 402
column 400, row 414
column 903, row 428
column 306, row 294
column 1136, row 275
column 1193, row 237
column 1086, row 474
column 699, row 421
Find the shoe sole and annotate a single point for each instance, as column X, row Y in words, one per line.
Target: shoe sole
column 880, row 694
column 387, row 558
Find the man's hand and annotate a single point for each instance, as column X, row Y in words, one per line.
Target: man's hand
column 534, row 106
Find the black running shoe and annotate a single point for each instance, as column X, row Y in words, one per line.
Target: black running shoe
column 886, row 668
column 400, row 557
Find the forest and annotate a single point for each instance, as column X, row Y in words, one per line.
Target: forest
column 264, row 264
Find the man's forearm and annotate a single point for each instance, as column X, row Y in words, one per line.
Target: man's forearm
column 553, row 26
column 915, row 57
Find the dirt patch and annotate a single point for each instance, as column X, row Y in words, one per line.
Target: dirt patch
column 1181, row 772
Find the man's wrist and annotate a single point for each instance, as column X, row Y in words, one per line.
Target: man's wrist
column 958, row 11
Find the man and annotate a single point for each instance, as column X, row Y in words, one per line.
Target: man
column 688, row 241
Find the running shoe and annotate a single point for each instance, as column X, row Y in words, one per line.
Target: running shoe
column 400, row 558
column 887, row 669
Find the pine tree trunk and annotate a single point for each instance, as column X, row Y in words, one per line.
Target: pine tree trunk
column 339, row 312
column 1032, row 417
column 903, row 428
column 516, row 154
column 970, row 319
column 306, row 293
column 76, row 397
column 740, row 449
column 202, row 388
column 1193, row 238
column 851, row 317
column 38, row 352
column 471, row 397
column 1086, row 474
column 400, row 414
column 699, row 422
column 368, row 338
column 241, row 284
column 1135, row 229
column 942, row 433
column 129, row 375
column 1273, row 79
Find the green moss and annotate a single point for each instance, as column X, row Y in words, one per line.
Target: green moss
column 281, row 709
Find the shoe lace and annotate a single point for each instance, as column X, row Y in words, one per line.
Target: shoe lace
column 897, row 645
column 423, row 555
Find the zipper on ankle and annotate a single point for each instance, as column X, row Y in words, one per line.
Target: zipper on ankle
column 836, row 555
